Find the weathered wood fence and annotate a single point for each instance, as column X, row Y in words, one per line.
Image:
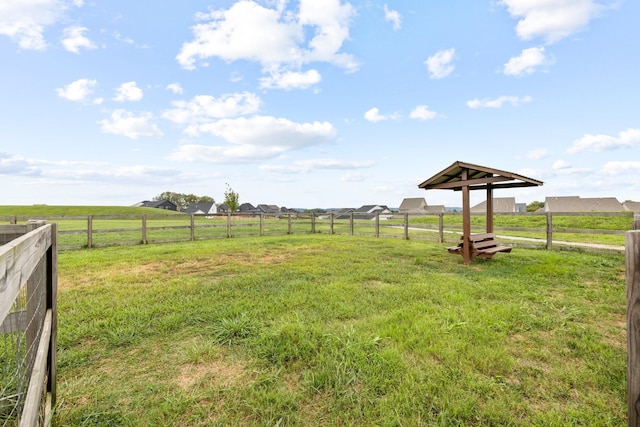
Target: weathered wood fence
column 107, row 230
column 28, row 323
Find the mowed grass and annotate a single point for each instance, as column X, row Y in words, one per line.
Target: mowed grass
column 337, row 330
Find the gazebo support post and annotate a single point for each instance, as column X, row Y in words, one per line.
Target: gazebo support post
column 489, row 208
column 466, row 220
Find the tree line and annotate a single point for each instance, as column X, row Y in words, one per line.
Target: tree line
column 182, row 200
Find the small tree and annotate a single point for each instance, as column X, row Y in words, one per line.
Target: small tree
column 534, row 206
column 232, row 199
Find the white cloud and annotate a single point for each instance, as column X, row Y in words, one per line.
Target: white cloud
column 131, row 125
column 274, row 37
column 498, row 102
column 175, row 88
column 625, row 139
column 74, row 39
column 538, row 154
column 291, row 80
column 128, row 92
column 205, row 108
column 306, row 166
column 16, row 165
column 422, row 112
column 527, row 63
column 561, row 165
column 352, row 177
column 551, row 19
column 373, row 115
column 25, row 21
column 440, row 65
column 622, row 168
column 78, row 91
column 393, row 16
column 255, row 138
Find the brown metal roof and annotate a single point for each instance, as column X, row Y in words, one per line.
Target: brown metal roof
column 478, row 178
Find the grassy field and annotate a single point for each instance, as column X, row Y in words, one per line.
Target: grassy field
column 338, row 330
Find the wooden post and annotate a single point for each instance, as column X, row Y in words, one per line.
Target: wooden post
column 632, row 240
column 466, row 220
column 489, row 220
column 12, row 220
column 229, row 224
column 406, row 226
column 52, row 304
column 261, row 224
column 90, row 231
column 289, row 225
column 636, row 221
column 313, row 222
column 193, row 227
column 351, row 223
column 549, row 230
column 441, row 227
column 144, row 229
column 377, row 224
column 331, row 223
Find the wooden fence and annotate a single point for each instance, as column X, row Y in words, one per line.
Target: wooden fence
column 28, row 324
column 544, row 230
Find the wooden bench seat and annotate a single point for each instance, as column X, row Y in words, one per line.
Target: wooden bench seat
column 483, row 244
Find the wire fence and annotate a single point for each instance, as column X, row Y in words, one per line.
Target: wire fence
column 27, row 325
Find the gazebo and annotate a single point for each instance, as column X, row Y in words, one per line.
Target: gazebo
column 461, row 176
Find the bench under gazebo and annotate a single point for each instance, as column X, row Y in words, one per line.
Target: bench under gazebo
column 461, row 176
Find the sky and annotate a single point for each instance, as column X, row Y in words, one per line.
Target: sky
column 315, row 103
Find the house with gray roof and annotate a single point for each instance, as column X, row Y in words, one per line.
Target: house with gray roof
column 500, row 205
column 632, row 206
column 158, row 204
column 202, row 208
column 268, row 209
column 370, row 212
column 578, row 204
column 418, row 206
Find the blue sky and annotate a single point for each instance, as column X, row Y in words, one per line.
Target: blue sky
column 314, row 103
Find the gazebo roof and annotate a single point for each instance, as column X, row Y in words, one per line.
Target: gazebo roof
column 478, row 178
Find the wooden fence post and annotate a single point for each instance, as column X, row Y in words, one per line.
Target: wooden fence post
column 636, row 221
column 549, row 230
column 351, row 224
column 313, row 222
column 406, row 226
column 632, row 240
column 12, row 220
column 52, row 304
column 144, row 229
column 193, row 227
column 377, row 224
column 331, row 223
column 289, row 225
column 228, row 224
column 441, row 227
column 90, row 231
column 261, row 224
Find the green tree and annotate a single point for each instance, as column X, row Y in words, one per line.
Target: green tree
column 232, row 199
column 182, row 200
column 534, row 206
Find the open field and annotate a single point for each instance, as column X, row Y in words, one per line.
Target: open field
column 339, row 330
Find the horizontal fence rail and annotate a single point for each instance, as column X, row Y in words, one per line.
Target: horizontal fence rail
column 28, row 283
column 591, row 231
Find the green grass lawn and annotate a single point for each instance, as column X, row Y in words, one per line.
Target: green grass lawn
column 339, row 330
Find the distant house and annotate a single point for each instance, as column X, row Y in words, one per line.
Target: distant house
column 342, row 213
column 203, row 208
column 370, row 212
column 248, row 208
column 268, row 209
column 158, row 204
column 577, row 204
column 223, row 208
column 418, row 206
column 500, row 205
column 632, row 206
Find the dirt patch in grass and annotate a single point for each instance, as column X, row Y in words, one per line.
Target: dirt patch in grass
column 221, row 373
